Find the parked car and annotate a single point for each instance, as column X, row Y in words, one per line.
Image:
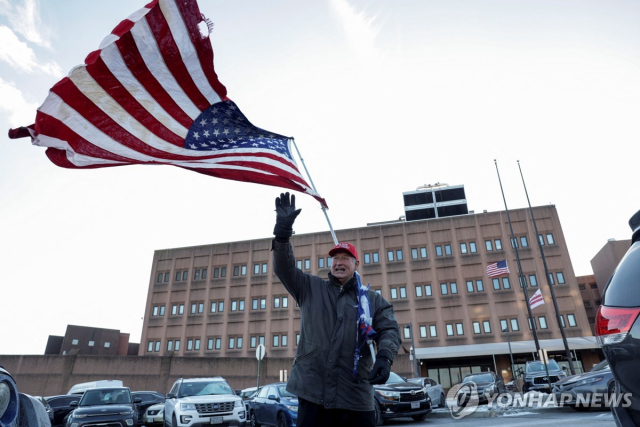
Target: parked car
column 274, row 405
column 400, row 398
column 598, row 380
column 535, row 375
column 61, row 407
column 82, row 387
column 154, row 415
column 618, row 329
column 487, row 384
column 432, row 389
column 147, row 399
column 248, row 393
column 196, row 401
column 111, row 406
column 47, row 407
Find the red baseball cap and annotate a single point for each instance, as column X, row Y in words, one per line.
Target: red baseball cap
column 347, row 247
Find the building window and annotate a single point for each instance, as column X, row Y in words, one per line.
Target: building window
column 543, row 322
column 232, row 343
column 476, row 327
column 449, row 329
column 200, row 274
column 276, row 302
column 486, row 326
column 407, row 333
column 241, row 305
column 454, row 287
column 234, row 305
column 219, row 272
column 514, row 325
column 163, row 277
column 423, row 252
column 524, row 242
column 253, row 342
column 91, row 343
column 299, row 264
column 264, row 268
column 427, row 290
column 432, row 331
column 239, row 342
column 283, row 340
column 514, row 242
column 375, row 257
column 263, row 303
column 329, row 262
column 593, row 285
column 181, row 309
column 155, row 311
column 194, row 308
column 256, row 268
column 444, row 289
column 189, row 345
column 321, row 262
column 470, row 286
column 414, row 253
column 587, row 303
column 439, row 250
column 582, row 287
column 307, row 264
column 540, row 240
column 560, row 277
column 150, row 347
column 196, row 344
column 533, row 282
column 367, row 258
column 297, row 339
column 390, row 256
column 562, row 320
column 447, row 250
column 504, row 325
column 423, row 331
column 463, row 248
column 276, row 340
column 218, row 343
column 550, row 239
column 182, row 275
column 170, row 345
column 399, row 255
column 176, row 347
column 534, row 321
column 498, row 244
column 254, row 304
column 572, row 320
column 210, row 344
column 489, row 245
column 394, row 293
column 418, row 291
column 505, row 283
column 551, row 280
column 459, row 329
column 472, row 247
column 479, row 285
column 496, row 283
column 403, row 292
column 236, row 270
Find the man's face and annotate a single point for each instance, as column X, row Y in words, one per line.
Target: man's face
column 343, row 266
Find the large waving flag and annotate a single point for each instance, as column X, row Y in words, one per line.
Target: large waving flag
column 496, row 269
column 536, row 299
column 150, row 95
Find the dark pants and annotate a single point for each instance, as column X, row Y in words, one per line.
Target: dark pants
column 312, row 415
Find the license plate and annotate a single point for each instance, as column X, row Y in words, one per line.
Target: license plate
column 215, row 420
column 415, row 405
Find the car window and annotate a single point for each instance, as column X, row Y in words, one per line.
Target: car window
column 478, row 378
column 533, row 367
column 395, row 378
column 204, row 388
column 105, row 397
column 263, row 392
column 601, row 366
column 432, row 382
column 272, row 392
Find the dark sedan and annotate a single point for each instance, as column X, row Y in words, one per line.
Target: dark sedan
column 487, row 384
column 400, row 398
column 618, row 330
column 535, row 376
column 274, row 406
column 585, row 389
column 113, row 407
column 60, row 407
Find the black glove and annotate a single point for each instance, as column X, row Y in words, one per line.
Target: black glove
column 286, row 214
column 382, row 368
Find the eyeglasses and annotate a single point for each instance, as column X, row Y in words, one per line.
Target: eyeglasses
column 342, row 258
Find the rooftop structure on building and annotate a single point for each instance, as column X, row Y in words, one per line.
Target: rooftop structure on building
column 91, row 341
column 435, row 201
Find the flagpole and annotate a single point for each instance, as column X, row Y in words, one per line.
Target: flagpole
column 523, row 283
column 333, row 234
column 546, row 271
column 324, row 209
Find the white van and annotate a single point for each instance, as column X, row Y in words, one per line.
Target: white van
column 82, row 387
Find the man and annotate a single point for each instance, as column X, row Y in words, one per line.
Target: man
column 332, row 389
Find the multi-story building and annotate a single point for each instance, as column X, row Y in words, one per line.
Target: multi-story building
column 91, row 341
column 222, row 300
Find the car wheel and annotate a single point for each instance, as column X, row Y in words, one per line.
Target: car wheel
column 419, row 417
column 443, row 401
column 174, row 421
column 379, row 419
column 282, row 421
column 252, row 420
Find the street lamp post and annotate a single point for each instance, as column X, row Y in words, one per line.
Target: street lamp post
column 513, row 372
column 413, row 351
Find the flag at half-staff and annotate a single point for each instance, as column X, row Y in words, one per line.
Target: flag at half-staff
column 536, row 299
column 150, row 95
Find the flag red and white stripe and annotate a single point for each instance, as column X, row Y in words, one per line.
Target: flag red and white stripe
column 496, row 269
column 536, row 299
column 135, row 100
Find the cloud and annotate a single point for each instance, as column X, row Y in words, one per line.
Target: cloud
column 14, row 106
column 25, row 19
column 21, row 57
column 359, row 29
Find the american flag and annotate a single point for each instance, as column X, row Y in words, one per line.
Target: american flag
column 496, row 269
column 536, row 299
column 150, row 95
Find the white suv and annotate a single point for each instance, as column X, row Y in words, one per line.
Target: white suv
column 203, row 401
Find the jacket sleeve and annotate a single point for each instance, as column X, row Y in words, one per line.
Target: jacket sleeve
column 284, row 265
column 386, row 326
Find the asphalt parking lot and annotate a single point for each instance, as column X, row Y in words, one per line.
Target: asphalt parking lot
column 565, row 417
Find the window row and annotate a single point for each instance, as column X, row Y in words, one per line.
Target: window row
column 91, row 343
column 218, row 306
column 541, row 323
column 215, row 343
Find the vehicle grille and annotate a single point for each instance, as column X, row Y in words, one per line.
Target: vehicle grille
column 408, row 397
column 543, row 380
column 210, row 408
column 107, row 424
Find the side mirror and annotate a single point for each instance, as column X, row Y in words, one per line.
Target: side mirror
column 171, row 396
column 137, row 400
column 73, row 404
column 238, row 392
column 564, row 368
column 273, row 397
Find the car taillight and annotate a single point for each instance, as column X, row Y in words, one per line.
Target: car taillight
column 613, row 324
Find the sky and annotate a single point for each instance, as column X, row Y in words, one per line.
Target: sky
column 381, row 96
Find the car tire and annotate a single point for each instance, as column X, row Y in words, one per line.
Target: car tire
column 174, row 421
column 253, row 421
column 281, row 420
column 379, row 419
column 443, row 401
column 419, row 417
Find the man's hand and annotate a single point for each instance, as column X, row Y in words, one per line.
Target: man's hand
column 381, row 369
column 286, row 214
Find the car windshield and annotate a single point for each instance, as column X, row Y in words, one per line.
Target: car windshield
column 204, row 388
column 105, row 396
column 479, row 378
column 395, row 378
column 284, row 393
column 537, row 366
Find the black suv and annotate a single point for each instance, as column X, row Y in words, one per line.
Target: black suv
column 112, row 406
column 400, row 398
column 618, row 330
column 487, row 384
column 535, row 375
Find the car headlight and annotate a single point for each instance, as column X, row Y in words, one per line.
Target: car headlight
column 292, row 408
column 79, row 415
column 129, row 421
column 238, row 403
column 187, row 406
column 589, row 381
column 389, row 395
